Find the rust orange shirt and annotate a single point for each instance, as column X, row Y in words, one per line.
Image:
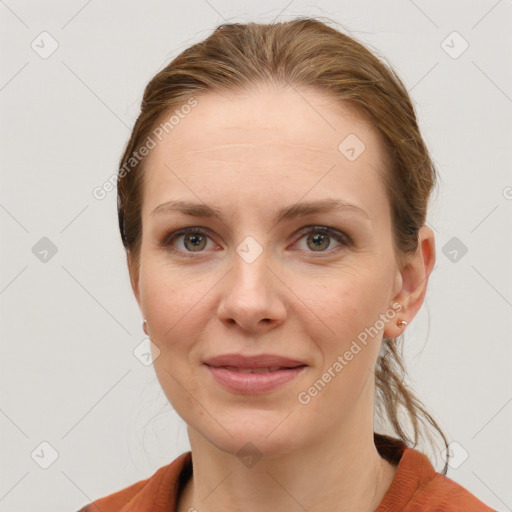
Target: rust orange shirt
column 416, row 487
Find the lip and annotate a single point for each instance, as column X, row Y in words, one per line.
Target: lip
column 225, row 370
column 253, row 383
column 256, row 361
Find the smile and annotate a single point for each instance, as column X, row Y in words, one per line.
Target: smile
column 253, row 380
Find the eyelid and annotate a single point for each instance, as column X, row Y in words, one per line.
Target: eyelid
column 171, row 237
column 341, row 237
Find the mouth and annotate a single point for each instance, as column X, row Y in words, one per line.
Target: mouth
column 257, row 370
column 252, row 381
column 240, row 361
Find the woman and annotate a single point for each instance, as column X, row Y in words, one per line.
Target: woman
column 272, row 201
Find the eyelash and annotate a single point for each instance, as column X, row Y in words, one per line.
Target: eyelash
column 339, row 236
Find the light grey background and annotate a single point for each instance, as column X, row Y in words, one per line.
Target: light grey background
column 70, row 324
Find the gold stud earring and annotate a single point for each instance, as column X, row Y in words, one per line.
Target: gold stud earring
column 401, row 323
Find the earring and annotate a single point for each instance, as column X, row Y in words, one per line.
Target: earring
column 145, row 327
column 401, row 323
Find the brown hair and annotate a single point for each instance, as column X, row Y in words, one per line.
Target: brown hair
column 304, row 52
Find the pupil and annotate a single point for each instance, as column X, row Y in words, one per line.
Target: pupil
column 195, row 240
column 319, row 240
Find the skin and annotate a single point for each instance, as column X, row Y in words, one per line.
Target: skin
column 249, row 155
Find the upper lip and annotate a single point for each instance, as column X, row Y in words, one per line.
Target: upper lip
column 257, row 361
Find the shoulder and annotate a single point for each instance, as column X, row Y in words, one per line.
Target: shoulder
column 158, row 492
column 418, row 487
column 442, row 494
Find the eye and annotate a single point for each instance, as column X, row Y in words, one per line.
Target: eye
column 318, row 239
column 194, row 240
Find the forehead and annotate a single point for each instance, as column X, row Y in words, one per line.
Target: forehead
column 288, row 138
column 266, row 115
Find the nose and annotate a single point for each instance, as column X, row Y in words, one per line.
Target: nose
column 252, row 296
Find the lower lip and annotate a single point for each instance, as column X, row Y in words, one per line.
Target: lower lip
column 253, row 383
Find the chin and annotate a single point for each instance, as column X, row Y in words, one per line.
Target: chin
column 252, row 435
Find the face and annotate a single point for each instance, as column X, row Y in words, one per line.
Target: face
column 305, row 285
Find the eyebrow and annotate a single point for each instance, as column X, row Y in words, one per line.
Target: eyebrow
column 285, row 213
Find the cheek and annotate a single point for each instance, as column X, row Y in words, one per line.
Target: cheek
column 172, row 304
column 170, row 301
column 344, row 306
column 348, row 338
column 347, row 345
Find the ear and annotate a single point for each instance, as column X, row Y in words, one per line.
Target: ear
column 412, row 280
column 134, row 275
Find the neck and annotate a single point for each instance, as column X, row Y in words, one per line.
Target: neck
column 346, row 475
